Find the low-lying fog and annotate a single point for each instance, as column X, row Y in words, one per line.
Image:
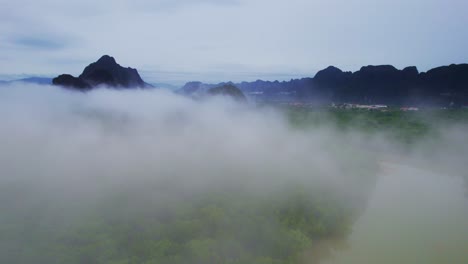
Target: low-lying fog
column 64, row 153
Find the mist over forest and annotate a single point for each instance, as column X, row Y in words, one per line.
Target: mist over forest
column 150, row 176
column 233, row 132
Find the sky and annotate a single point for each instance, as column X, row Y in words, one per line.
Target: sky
column 174, row 41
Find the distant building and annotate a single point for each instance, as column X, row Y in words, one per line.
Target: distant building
column 409, row 109
column 360, row 106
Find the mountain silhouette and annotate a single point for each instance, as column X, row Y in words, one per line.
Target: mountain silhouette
column 382, row 84
column 228, row 90
column 104, row 72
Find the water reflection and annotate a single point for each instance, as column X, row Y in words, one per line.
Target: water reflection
column 413, row 216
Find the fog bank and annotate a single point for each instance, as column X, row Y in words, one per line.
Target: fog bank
column 65, row 155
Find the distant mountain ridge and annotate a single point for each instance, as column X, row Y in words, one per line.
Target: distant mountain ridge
column 106, row 71
column 383, row 84
column 33, row 80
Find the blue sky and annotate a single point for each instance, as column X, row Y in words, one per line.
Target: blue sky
column 219, row 40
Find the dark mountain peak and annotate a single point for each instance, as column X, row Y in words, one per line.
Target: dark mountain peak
column 371, row 75
column 331, row 77
column 105, row 63
column 328, row 73
column 411, row 70
column 108, row 72
column 332, row 69
column 451, row 79
column 450, row 69
column 229, row 90
column 105, row 71
column 106, row 59
column 378, row 69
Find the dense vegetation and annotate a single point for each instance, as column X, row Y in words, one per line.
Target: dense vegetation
column 216, row 227
column 405, row 127
column 158, row 222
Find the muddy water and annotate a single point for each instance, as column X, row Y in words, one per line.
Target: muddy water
column 413, row 217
